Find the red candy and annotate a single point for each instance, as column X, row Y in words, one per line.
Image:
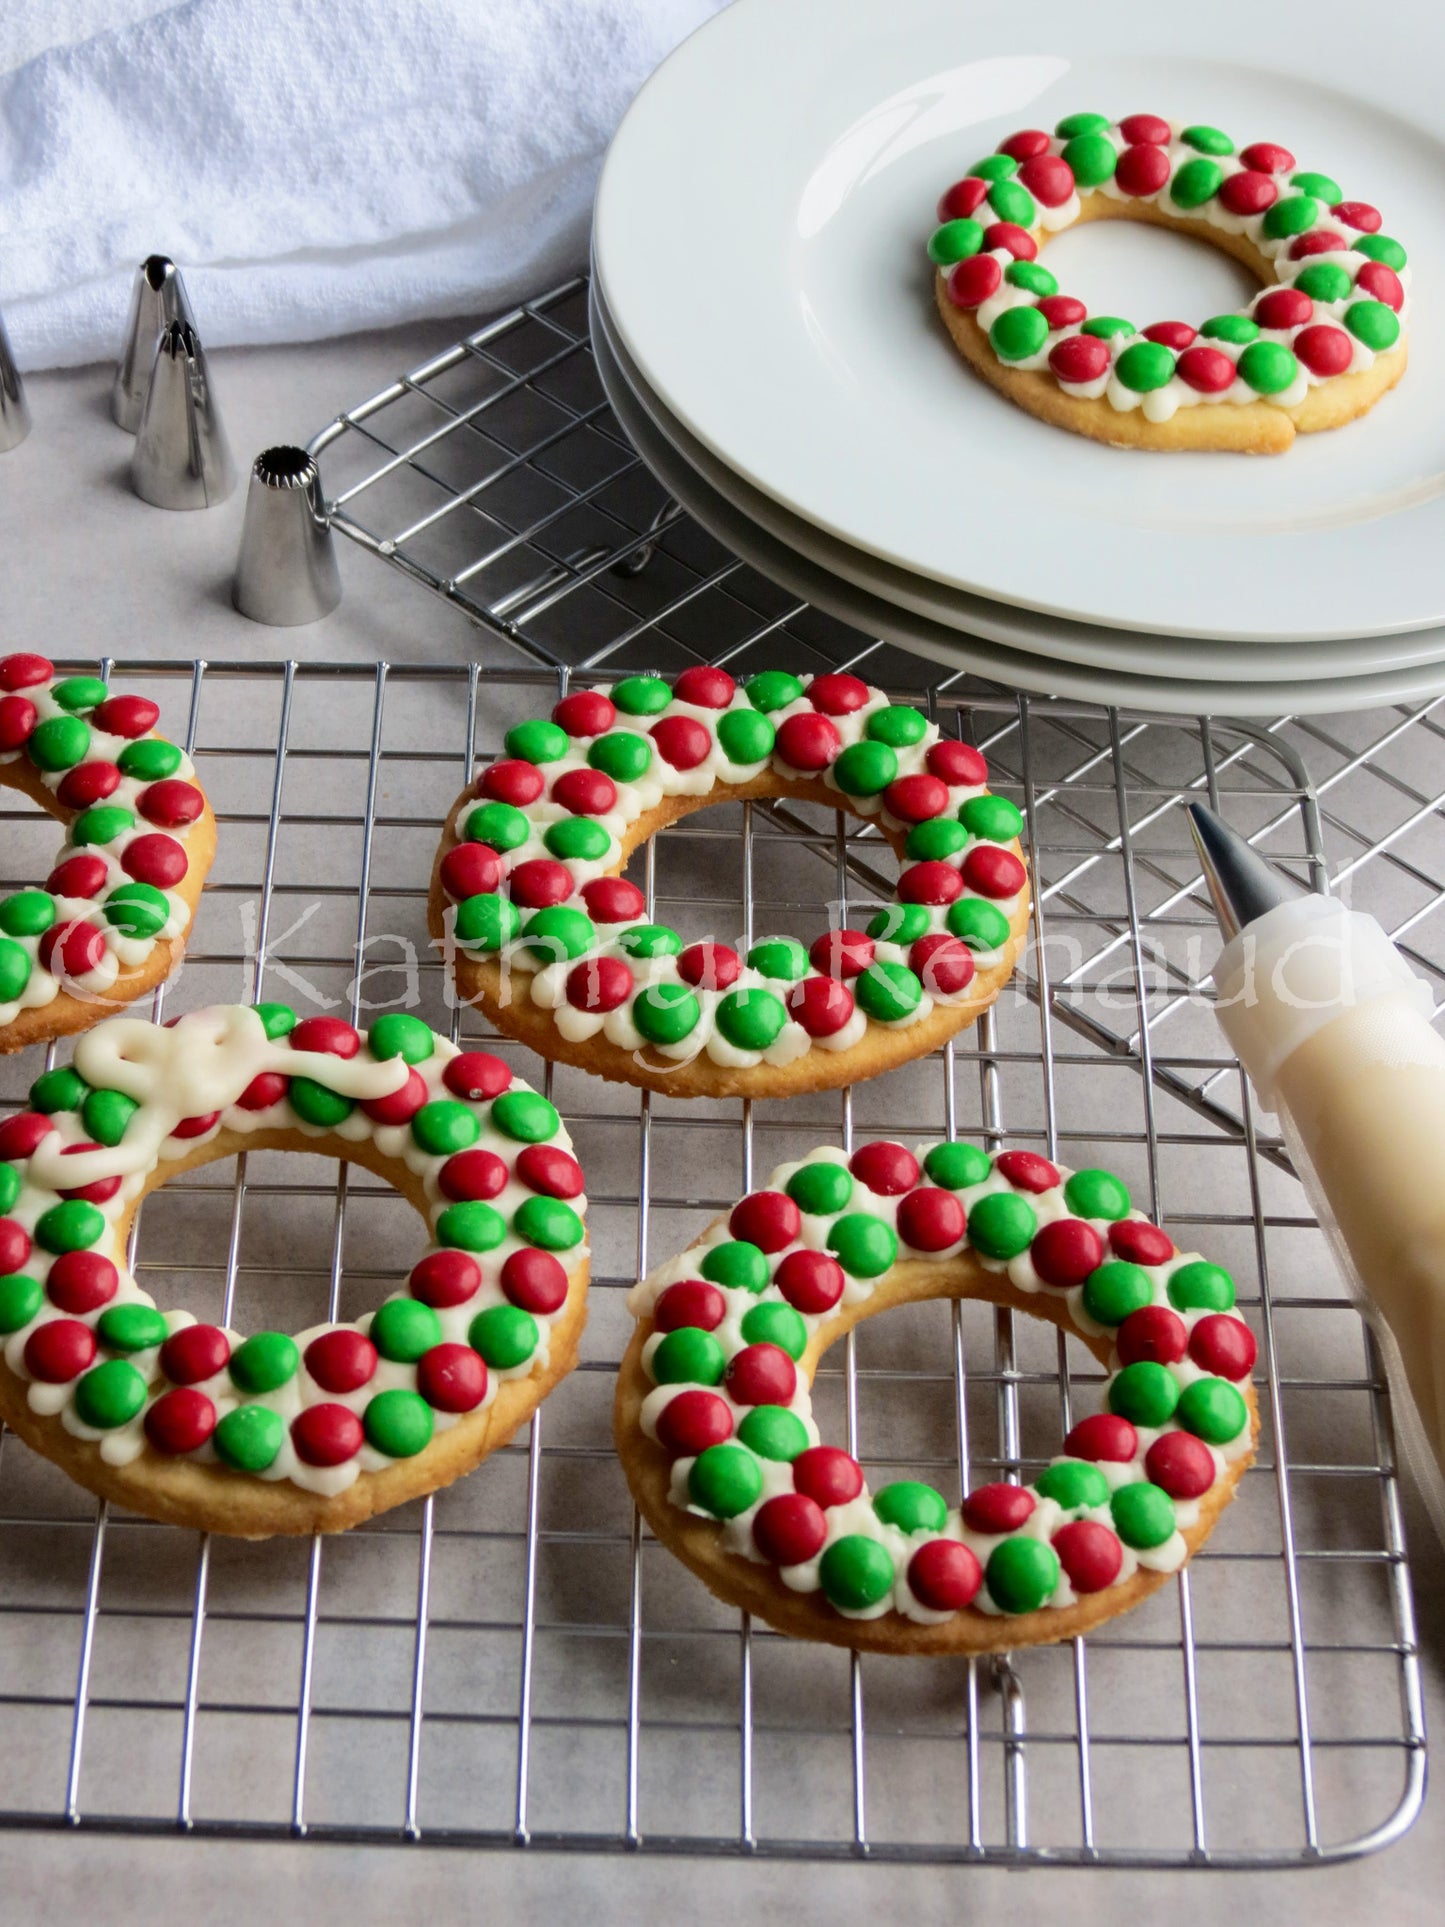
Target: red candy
column 1080, row 358
column 452, row 1377
column 14, row 1245
column 811, row 1281
column 1283, row 308
column 1320, row 240
column 264, row 1090
column 535, row 1280
column 1025, row 144
column 548, row 1169
column 613, row 900
column 930, row 1219
column 822, row 1005
column 1140, row 1242
column 932, row 883
column 1027, row 1171
column 692, row 1303
column 1174, row 334
column 993, row 871
column 194, row 1353
column 1207, row 371
column 1065, row 1251
column 1061, row 310
column 586, row 713
column 841, row 953
column 888, row 1169
column 789, row 1529
column 471, row 870
column 1357, row 214
column 1324, row 350
column 1248, row 192
column 540, row 882
column 1375, row 279
column 59, row 1350
column 155, row 859
column 341, row 1361
column 958, row 764
column 944, row 963
column 22, row 671
column 585, row 792
column 827, row 1474
column 1142, row 169
column 682, row 741
column 692, row 1421
column 808, row 742
column 1224, row 1346
column 171, row 803
column 705, row 688
column 1049, row 178
column 180, row 1421
column 88, row 783
column 997, row 1508
column 1015, row 240
column 768, row 1219
column 1181, row 1464
column 837, row 695
column 916, row 799
column 326, row 1434
column 81, row 1281
column 476, row 1074
column 128, row 716
column 333, row 1036
column 83, row 875
column 1155, row 1335
column 71, row 949
column 445, row 1278
column 19, row 1136
column 401, row 1106
column 710, row 966
column 511, row 781
column 1146, row 127
column 974, row 280
column 1089, row 1554
column 1268, row 157
column 469, row 1176
column 18, row 716
column 963, row 199
column 944, row 1575
column 101, row 1190
column 1103, row 1436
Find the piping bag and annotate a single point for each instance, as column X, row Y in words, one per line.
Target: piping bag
column 1333, row 1029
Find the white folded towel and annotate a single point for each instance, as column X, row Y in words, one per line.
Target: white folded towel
column 314, row 166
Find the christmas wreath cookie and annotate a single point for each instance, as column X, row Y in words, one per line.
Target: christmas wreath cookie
column 559, row 950
column 109, row 922
column 274, row 1432
column 1319, row 345
column 715, row 1427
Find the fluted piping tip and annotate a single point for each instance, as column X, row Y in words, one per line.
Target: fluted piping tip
column 286, row 572
column 181, row 458
column 157, row 299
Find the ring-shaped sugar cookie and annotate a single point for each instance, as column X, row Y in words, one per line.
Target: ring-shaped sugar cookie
column 715, row 1428
column 200, row 1426
column 110, row 921
column 1317, row 347
column 558, row 950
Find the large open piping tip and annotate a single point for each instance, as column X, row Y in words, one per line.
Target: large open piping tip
column 286, row 573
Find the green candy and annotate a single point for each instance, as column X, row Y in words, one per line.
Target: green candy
column 105, row 1114
column 901, row 923
column 500, row 826
column 1096, row 1194
column 71, row 1226
column 110, row 1395
column 1213, row 1410
column 149, row 760
column 725, row 1480
column 1114, row 1290
column 1010, row 202
column 1201, row 1286
column 398, row 1423
column 957, row 1166
column 279, row 1020
column 58, row 743
column 736, row 1265
column 547, row 1223
column 487, row 921
column 79, row 692
column 751, row 1019
column 264, row 1362
column 506, row 1336
column 782, row 958
column 1022, row 1574
column 992, row 818
column 1208, row 140
column 1145, row 366
column 888, row 992
column 981, row 924
column 954, row 241
column 746, row 737
column 15, row 969
column 9, row 1188
column 821, row 1189
column 62, row 1089
column 249, row 1438
column 1072, row 125
column 471, row 1226
column 1372, row 322
column 621, row 755
column 537, row 741
column 20, row 1300
column 137, row 910
column 900, row 726
column 995, row 167
column 1105, row 326
column 1002, row 1225
column 855, row 1572
column 131, row 1328
column 1145, row 1393
column 776, row 1325
column 1092, row 157
column 1268, row 367
column 29, row 913
column 642, row 695
column 1295, row 214
column 912, row 1506
column 1235, row 328
column 688, row 1357
column 937, row 838
column 525, row 1116
column 404, row 1329
column 1196, row 182
column 650, row 940
column 103, row 824
column 1074, row 1485
column 1324, row 281
column 866, row 769
column 398, row 1035
column 1143, row 1514
column 773, row 1432
column 445, row 1125
column 1018, row 333
column 578, row 839
column 666, row 1013
column 313, row 1103
column 1379, row 247
column 1319, row 185
column 864, row 1246
column 774, row 688
column 1032, row 275
column 558, row 934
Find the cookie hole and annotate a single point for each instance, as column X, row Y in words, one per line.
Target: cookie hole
column 1147, row 274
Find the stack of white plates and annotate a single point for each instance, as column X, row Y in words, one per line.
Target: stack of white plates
column 763, row 321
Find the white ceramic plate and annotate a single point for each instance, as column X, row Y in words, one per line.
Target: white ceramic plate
column 1011, row 667
column 1129, row 652
column 759, row 238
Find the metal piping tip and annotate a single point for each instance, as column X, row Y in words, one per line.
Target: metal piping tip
column 14, row 415
column 157, row 298
column 286, row 573
column 181, row 458
column 1243, row 885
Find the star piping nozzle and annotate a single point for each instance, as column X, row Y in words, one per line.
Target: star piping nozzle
column 286, row 572
column 181, row 458
column 157, row 298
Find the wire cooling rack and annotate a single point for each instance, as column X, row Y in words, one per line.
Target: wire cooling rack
column 516, row 1661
